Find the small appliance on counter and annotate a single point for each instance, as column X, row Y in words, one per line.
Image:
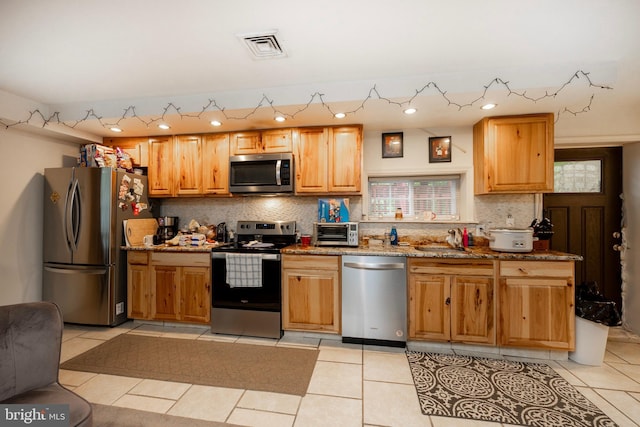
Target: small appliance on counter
column 511, row 239
column 335, row 234
column 167, row 228
column 221, row 233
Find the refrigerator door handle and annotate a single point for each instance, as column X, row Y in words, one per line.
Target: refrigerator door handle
column 72, row 216
column 101, row 270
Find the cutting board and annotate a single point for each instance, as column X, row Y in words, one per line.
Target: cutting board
column 136, row 229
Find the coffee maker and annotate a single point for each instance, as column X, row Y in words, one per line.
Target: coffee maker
column 167, row 228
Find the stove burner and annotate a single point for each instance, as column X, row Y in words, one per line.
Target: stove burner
column 261, row 236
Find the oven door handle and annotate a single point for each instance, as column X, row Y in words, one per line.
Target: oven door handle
column 265, row 257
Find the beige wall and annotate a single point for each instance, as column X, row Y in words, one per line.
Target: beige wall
column 24, row 156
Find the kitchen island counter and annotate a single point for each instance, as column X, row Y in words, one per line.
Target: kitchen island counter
column 475, row 252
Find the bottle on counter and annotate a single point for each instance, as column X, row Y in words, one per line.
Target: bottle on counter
column 393, row 235
column 465, row 238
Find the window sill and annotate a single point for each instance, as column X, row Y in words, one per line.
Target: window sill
column 390, row 220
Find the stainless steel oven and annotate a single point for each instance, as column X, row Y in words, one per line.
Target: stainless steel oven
column 246, row 294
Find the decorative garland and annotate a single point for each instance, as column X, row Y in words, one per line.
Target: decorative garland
column 130, row 111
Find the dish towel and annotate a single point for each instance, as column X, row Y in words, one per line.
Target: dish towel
column 244, row 270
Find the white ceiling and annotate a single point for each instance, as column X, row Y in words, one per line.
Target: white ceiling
column 181, row 61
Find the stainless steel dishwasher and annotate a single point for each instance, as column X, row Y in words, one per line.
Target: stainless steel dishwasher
column 374, row 300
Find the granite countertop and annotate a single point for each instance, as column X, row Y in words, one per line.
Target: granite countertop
column 476, row 252
column 169, row 248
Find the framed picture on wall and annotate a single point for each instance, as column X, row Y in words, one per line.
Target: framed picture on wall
column 392, row 145
column 439, row 149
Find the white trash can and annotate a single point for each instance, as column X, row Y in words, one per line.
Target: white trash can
column 591, row 342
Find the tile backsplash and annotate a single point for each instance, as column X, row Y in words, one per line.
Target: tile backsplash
column 490, row 210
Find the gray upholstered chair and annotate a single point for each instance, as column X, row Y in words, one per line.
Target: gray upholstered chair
column 30, row 344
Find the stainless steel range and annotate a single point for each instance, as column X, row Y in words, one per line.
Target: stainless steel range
column 246, row 279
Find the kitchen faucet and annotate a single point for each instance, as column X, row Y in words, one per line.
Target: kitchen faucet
column 455, row 238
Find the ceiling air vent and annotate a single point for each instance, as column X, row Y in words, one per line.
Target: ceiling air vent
column 263, row 45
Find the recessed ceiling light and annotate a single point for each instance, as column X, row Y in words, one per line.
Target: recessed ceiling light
column 410, row 111
column 280, row 119
column 488, row 106
column 164, row 126
column 216, row 123
column 115, row 129
column 340, row 115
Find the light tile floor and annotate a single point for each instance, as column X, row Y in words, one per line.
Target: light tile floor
column 352, row 385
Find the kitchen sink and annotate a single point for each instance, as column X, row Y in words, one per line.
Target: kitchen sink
column 434, row 248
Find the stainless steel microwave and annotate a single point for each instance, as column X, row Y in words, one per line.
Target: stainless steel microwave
column 261, row 173
column 335, row 234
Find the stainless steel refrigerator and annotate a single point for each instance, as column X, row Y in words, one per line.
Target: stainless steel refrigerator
column 85, row 271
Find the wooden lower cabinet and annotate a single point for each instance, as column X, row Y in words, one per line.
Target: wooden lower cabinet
column 138, row 282
column 195, row 294
column 452, row 300
column 537, row 301
column 175, row 287
column 165, row 295
column 311, row 293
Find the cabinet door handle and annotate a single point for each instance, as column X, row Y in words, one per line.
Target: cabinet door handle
column 448, row 301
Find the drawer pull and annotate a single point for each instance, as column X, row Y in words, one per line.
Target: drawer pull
column 523, row 270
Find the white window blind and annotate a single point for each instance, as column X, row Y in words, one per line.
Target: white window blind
column 415, row 196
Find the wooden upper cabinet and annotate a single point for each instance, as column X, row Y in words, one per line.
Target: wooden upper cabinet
column 188, row 165
column 345, row 159
column 161, row 166
column 245, row 143
column 267, row 141
column 513, row 154
column 328, row 160
column 277, row 141
column 215, row 163
column 136, row 147
column 311, row 160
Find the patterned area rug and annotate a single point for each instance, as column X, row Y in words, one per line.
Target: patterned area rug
column 499, row 390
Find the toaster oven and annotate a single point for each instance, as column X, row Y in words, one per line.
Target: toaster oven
column 335, row 234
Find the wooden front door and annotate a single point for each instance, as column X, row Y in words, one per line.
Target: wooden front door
column 588, row 223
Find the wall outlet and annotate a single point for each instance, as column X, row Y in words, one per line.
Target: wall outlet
column 510, row 221
column 119, row 308
column 480, row 229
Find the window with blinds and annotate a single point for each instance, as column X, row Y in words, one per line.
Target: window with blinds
column 415, row 196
